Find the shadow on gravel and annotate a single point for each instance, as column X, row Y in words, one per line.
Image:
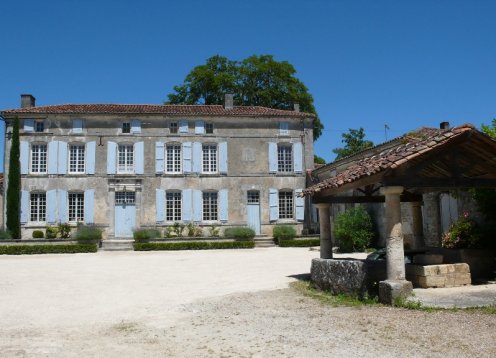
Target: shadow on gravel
column 301, row 276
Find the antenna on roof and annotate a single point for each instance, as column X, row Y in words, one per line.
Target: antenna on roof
column 386, row 128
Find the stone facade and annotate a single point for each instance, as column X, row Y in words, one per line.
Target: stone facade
column 205, row 165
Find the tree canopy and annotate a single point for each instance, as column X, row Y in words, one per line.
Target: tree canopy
column 254, row 81
column 354, row 142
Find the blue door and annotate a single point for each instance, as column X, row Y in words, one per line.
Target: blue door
column 125, row 213
column 253, row 211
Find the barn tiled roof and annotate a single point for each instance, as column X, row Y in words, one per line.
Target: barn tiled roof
column 172, row 109
column 411, row 146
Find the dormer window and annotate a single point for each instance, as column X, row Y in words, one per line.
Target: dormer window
column 126, row 127
column 39, row 126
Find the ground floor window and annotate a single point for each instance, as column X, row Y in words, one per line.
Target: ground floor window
column 210, row 206
column 285, row 204
column 76, row 207
column 38, row 207
column 173, row 206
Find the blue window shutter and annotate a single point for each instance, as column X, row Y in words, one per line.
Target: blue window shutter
column 90, row 157
column 111, row 157
column 197, row 205
column 199, row 127
column 300, row 205
column 187, row 153
column 24, row 207
column 62, row 158
column 283, row 128
column 298, row 157
column 183, row 126
column 51, row 206
column 159, row 157
column 24, row 157
column 160, row 205
column 223, row 205
column 53, row 157
column 139, row 158
column 187, row 205
column 274, row 204
column 77, row 125
column 29, row 125
column 135, row 126
column 197, row 157
column 223, row 158
column 62, row 200
column 89, row 213
column 272, row 157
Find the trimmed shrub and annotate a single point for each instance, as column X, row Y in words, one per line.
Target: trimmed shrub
column 353, row 230
column 5, row 235
column 51, row 232
column 283, row 232
column 87, row 234
column 143, row 235
column 46, row 249
column 239, row 233
column 299, row 243
column 38, row 234
column 64, row 230
column 193, row 245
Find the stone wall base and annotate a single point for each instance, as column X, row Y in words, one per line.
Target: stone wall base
column 391, row 290
column 448, row 275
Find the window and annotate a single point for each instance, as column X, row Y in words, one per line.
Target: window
column 76, row 158
column 38, row 158
column 125, row 197
column 76, row 207
column 38, row 207
column 285, row 204
column 125, row 159
column 209, row 206
column 126, row 127
column 253, row 197
column 284, row 158
column 173, row 127
column 173, row 206
column 39, row 126
column 209, row 158
column 209, row 128
column 173, row 158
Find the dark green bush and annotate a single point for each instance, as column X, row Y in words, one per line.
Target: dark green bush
column 38, row 234
column 353, row 230
column 193, row 245
column 46, row 249
column 5, row 235
column 86, row 234
column 299, row 243
column 283, row 232
column 51, row 232
column 143, row 235
column 239, row 233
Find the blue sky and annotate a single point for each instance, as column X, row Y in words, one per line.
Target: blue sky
column 367, row 63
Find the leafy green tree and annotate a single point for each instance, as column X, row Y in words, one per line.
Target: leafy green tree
column 318, row 160
column 353, row 229
column 354, row 142
column 14, row 185
column 254, row 81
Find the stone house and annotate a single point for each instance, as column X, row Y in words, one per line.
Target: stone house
column 123, row 167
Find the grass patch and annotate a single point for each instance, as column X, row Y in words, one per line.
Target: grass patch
column 194, row 245
column 47, row 249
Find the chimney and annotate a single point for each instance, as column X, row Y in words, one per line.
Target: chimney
column 229, row 101
column 296, row 107
column 444, row 125
column 27, row 101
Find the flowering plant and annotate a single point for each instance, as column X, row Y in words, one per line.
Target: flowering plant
column 462, row 234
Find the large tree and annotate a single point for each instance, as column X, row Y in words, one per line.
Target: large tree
column 254, row 81
column 354, row 142
column 14, row 185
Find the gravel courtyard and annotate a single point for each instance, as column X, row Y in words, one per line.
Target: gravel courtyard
column 219, row 303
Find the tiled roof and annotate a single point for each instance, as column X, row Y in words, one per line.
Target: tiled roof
column 413, row 145
column 172, row 109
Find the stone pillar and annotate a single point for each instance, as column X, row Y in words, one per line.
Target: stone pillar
column 417, row 225
column 325, row 231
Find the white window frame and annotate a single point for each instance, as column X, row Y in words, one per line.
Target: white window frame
column 173, row 158
column 285, row 158
column 75, row 207
column 76, row 158
column 38, row 158
column 210, row 158
column 125, row 158
column 286, row 204
column 37, row 207
column 173, row 206
column 210, row 206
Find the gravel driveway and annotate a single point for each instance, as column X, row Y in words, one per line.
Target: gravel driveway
column 206, row 303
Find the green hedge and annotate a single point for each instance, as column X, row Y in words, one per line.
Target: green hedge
column 46, row 249
column 299, row 243
column 239, row 233
column 281, row 232
column 143, row 235
column 194, row 245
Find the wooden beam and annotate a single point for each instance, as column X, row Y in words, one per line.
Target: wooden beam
column 461, row 182
column 406, row 198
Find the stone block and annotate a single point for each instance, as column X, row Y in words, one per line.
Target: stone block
column 390, row 290
column 432, row 281
column 428, row 259
column 462, row 268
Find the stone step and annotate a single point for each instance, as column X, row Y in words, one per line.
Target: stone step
column 117, row 245
column 264, row 241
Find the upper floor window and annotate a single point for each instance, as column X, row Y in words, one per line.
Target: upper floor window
column 39, row 126
column 209, row 158
column 285, row 204
column 173, row 127
column 173, row 158
column 209, row 128
column 37, row 207
column 284, row 158
column 210, row 207
column 173, row 206
column 38, row 158
column 76, row 158
column 126, row 127
column 125, row 162
column 76, row 207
